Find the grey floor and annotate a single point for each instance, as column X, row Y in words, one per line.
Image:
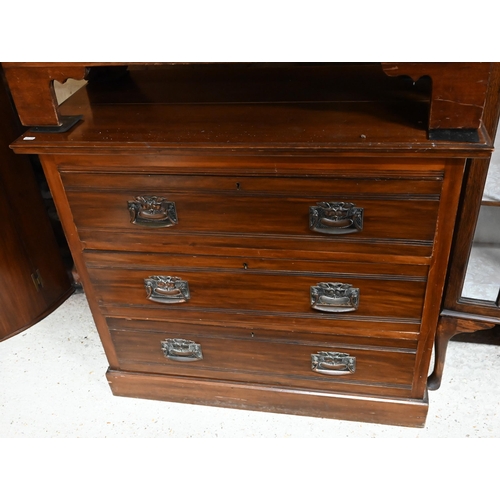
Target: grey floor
column 52, row 384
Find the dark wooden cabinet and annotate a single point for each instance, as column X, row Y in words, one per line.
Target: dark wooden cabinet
column 33, row 277
column 269, row 237
column 461, row 312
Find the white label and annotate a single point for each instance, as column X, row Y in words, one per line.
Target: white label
column 29, row 138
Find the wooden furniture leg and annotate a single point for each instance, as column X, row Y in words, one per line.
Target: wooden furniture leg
column 448, row 327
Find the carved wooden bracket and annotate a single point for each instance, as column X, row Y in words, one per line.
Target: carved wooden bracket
column 458, row 96
column 32, row 88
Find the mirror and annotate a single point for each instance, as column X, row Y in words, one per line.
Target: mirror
column 482, row 279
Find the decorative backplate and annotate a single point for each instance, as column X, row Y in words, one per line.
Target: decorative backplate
column 333, row 217
column 181, row 350
column 167, row 289
column 152, row 211
column 334, row 297
column 333, row 363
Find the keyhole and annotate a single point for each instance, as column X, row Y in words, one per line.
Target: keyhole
column 245, row 265
column 237, row 185
column 252, row 335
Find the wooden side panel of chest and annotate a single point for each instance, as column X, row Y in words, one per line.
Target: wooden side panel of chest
column 243, row 241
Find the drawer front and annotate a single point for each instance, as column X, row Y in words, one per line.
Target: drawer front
column 322, row 210
column 311, row 290
column 198, row 351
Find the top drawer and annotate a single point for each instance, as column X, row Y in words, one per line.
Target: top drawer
column 298, row 210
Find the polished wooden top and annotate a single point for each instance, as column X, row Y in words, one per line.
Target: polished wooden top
column 242, row 108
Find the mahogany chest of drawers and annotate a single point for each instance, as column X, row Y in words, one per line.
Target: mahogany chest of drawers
column 247, row 251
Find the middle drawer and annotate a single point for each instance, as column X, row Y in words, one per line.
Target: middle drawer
column 302, row 289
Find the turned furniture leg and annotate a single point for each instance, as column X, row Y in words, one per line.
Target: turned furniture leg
column 448, row 327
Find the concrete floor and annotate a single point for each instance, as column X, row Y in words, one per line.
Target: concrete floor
column 52, row 384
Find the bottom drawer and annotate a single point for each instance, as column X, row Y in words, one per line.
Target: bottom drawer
column 244, row 356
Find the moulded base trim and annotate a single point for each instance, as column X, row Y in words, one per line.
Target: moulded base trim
column 190, row 390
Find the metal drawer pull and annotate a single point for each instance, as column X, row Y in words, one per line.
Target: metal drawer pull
column 333, row 363
column 333, row 217
column 181, row 350
column 167, row 289
column 334, row 297
column 152, row 211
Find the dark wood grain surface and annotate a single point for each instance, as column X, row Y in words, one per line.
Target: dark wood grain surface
column 273, row 363
column 459, row 91
column 235, row 210
column 324, row 404
column 456, row 308
column 27, row 242
column 244, row 152
column 280, row 291
column 337, row 109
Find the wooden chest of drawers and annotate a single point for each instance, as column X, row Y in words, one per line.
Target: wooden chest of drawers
column 227, row 267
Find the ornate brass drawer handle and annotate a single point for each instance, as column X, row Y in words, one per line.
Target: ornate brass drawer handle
column 167, row 289
column 334, row 297
column 152, row 211
column 333, row 363
column 181, row 350
column 332, row 217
